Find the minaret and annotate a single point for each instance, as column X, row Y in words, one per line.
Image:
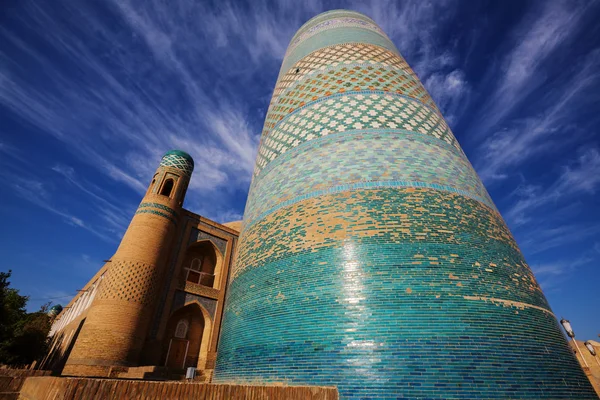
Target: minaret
column 371, row 255
column 118, row 320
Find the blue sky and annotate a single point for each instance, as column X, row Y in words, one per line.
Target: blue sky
column 93, row 92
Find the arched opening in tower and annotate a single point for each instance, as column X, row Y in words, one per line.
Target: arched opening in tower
column 167, row 187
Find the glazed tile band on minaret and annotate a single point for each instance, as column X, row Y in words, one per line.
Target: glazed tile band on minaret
column 372, row 257
column 115, row 329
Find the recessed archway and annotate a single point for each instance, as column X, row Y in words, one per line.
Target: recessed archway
column 167, row 187
column 202, row 264
column 187, row 337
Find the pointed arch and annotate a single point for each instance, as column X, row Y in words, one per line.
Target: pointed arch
column 167, row 187
column 206, row 254
column 205, row 338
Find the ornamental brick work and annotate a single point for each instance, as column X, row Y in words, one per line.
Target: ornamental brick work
column 371, row 256
column 118, row 320
column 130, row 281
column 124, row 322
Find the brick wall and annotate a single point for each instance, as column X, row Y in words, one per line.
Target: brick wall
column 11, row 381
column 51, row 388
column 119, row 318
column 592, row 363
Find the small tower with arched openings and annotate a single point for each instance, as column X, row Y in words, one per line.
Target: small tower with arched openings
column 118, row 320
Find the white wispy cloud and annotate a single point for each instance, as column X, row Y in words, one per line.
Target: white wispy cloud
column 36, row 192
column 11, row 151
column 583, row 176
column 409, row 25
column 579, row 177
column 109, row 113
column 176, row 75
column 450, row 92
column 50, row 194
column 547, row 131
column 540, row 239
column 421, row 42
column 114, row 212
column 551, row 275
column 547, row 27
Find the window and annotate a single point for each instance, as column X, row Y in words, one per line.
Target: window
column 181, row 330
column 151, row 186
column 194, row 271
column 197, row 274
column 167, row 187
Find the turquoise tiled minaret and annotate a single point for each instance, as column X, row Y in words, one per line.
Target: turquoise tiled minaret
column 372, row 257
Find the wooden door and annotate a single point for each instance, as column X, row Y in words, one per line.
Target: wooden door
column 177, row 353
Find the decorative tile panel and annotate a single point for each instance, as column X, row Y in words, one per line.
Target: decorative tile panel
column 343, row 22
column 180, row 299
column 159, row 210
column 161, row 207
column 349, row 35
column 197, row 235
column 351, row 53
column 361, row 111
column 358, row 160
column 345, row 79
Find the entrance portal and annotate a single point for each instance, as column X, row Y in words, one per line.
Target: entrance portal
column 184, row 337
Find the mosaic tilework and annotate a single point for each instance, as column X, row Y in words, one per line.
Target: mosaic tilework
column 162, row 207
column 340, row 13
column 353, row 111
column 387, row 215
column 180, row 160
column 159, row 210
column 342, row 79
column 180, row 299
column 344, row 326
column 398, row 293
column 343, row 22
column 197, row 235
column 371, row 257
column 356, row 53
column 331, row 38
column 379, row 158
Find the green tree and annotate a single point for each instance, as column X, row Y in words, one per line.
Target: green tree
column 23, row 336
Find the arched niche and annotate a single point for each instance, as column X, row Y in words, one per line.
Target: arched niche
column 187, row 339
column 202, row 264
column 167, row 187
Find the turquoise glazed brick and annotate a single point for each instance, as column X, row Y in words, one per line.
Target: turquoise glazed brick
column 372, row 258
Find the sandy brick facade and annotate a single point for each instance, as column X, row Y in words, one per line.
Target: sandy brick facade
column 129, row 314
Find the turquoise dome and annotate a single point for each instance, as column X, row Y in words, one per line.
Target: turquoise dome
column 180, row 160
column 55, row 310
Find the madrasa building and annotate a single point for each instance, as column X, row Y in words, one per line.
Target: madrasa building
column 370, row 257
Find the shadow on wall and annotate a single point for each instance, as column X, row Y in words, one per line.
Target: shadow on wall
column 60, row 349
